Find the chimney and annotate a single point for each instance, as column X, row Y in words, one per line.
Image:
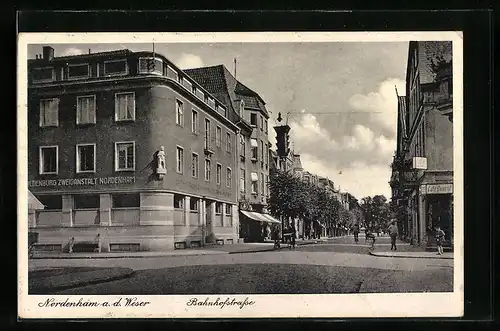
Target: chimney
column 48, row 53
column 90, row 51
column 37, row 56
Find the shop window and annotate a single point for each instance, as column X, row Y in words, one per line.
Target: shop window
column 178, row 201
column 49, row 112
column 193, row 204
column 51, row 202
column 228, row 209
column 130, row 200
column 87, row 201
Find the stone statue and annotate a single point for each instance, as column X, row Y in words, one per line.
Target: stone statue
column 161, row 158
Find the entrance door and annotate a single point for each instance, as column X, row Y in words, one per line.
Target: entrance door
column 209, row 235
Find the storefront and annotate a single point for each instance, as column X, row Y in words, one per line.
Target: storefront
column 256, row 227
column 439, row 207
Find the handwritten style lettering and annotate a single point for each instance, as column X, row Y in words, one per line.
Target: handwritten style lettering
column 220, row 303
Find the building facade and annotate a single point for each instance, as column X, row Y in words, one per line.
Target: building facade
column 248, row 111
column 126, row 146
column 422, row 178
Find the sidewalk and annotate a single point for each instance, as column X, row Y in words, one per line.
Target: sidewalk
column 55, row 279
column 207, row 250
column 415, row 255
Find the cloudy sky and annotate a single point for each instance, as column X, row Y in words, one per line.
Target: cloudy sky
column 341, row 98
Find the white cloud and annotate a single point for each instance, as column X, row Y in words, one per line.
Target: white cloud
column 72, row 51
column 382, row 104
column 360, row 179
column 187, row 61
column 307, row 132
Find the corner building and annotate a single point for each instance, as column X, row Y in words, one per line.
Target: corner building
column 123, row 144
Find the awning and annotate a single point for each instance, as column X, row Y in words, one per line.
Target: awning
column 253, row 143
column 259, row 217
column 255, row 177
column 33, row 202
column 271, row 219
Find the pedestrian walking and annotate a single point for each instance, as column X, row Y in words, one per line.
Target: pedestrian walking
column 393, row 232
column 370, row 236
column 440, row 236
column 276, row 237
column 355, row 230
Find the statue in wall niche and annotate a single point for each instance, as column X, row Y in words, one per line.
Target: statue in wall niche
column 161, row 168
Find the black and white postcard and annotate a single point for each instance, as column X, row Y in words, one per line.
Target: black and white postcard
column 240, row 175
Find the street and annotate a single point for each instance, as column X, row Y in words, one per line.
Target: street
column 339, row 267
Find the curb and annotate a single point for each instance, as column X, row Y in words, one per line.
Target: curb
column 438, row 257
column 42, row 288
column 102, row 256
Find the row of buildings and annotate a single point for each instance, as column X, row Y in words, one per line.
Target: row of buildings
column 128, row 147
column 422, row 169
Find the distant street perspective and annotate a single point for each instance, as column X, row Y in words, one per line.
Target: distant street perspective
column 259, row 168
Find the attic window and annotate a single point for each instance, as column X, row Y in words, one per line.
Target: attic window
column 78, row 71
column 115, row 67
column 149, row 65
column 43, row 74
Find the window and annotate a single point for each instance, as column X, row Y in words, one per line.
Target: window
column 218, row 173
column 78, row 71
column 49, row 112
column 218, row 208
column 178, row 201
column 179, row 113
column 180, row 159
column 242, row 146
column 255, row 181
column 86, row 201
column 129, row 200
column 193, row 204
column 218, row 134
column 207, row 133
column 85, row 158
column 228, row 209
column 229, row 177
column 85, row 109
column 242, row 180
column 180, row 79
column 43, row 75
column 124, row 156
column 242, row 108
column 194, row 121
column 262, row 150
column 262, row 184
column 253, row 119
column 150, row 65
column 51, row 201
column 194, row 89
column 125, row 106
column 228, row 142
column 208, row 166
column 255, row 149
column 261, row 123
column 205, row 98
column 194, row 165
column 49, row 160
column 115, row 67
column 265, row 126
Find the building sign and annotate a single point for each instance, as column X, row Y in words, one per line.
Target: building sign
column 197, row 187
column 68, row 182
column 420, row 163
column 440, row 189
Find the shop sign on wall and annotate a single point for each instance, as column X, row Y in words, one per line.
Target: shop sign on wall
column 69, row 182
column 439, row 189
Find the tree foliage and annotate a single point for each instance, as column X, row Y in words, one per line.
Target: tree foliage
column 376, row 212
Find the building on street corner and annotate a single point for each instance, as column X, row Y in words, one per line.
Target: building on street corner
column 248, row 111
column 422, row 170
column 126, row 147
